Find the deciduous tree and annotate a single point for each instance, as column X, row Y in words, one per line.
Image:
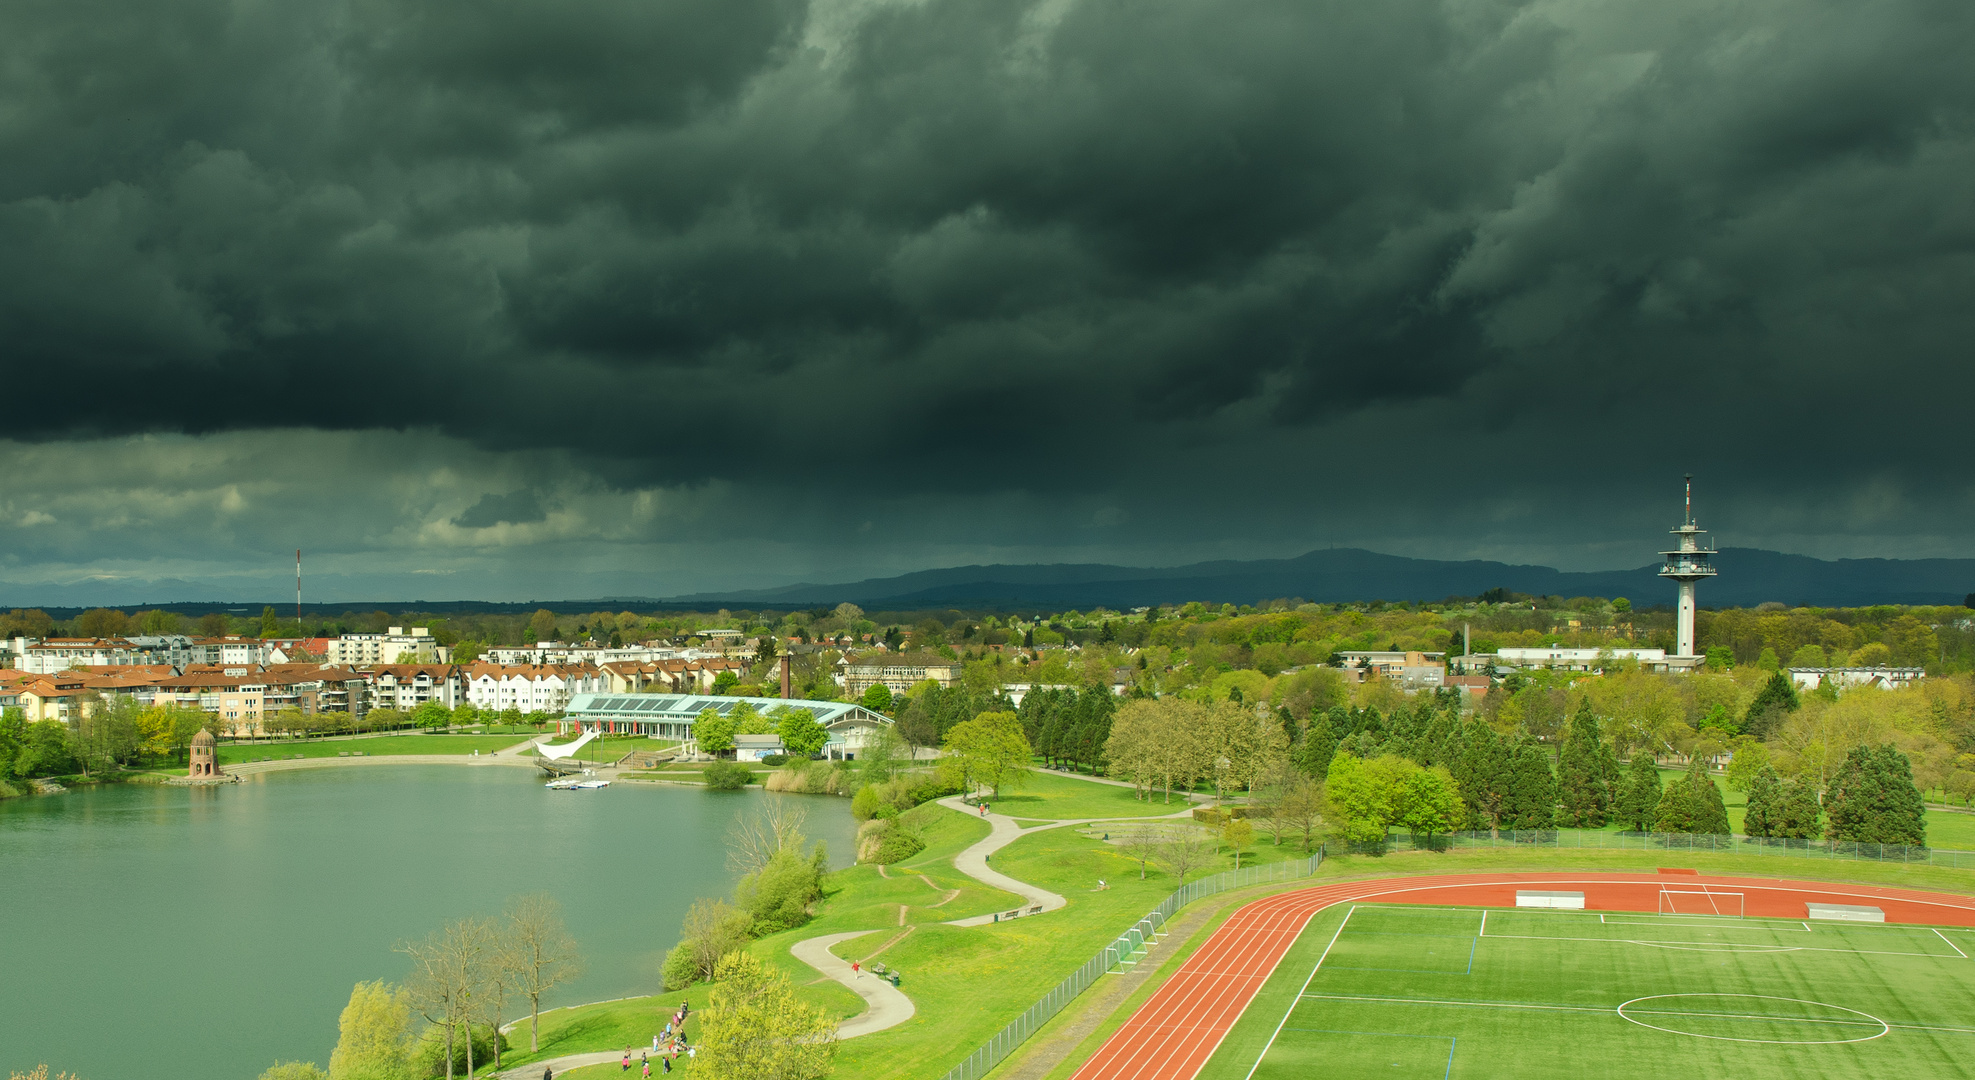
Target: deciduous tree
column 988, row 750
column 756, row 1028
column 538, row 948
column 374, row 1038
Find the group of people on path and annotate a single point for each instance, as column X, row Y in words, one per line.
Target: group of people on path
column 668, row 1044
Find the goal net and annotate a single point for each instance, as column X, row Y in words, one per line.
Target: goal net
column 1700, row 902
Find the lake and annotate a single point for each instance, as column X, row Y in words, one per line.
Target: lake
column 168, row 932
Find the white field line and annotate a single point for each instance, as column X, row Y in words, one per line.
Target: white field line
column 1299, row 994
column 1462, row 1004
column 1951, row 944
column 1718, row 945
column 1614, row 1012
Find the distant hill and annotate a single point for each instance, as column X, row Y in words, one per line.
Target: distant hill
column 1748, row 576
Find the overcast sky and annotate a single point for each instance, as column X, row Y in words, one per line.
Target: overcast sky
column 535, row 298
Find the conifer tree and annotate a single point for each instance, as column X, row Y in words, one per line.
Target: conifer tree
column 1872, row 799
column 1765, row 794
column 1692, row 805
column 1776, row 699
column 1582, row 787
column 1531, row 801
column 1482, row 772
column 1638, row 801
column 1797, row 811
column 1319, row 743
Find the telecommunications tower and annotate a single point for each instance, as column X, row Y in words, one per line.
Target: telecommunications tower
column 1687, row 564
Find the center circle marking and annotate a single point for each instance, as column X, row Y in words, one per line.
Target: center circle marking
column 1639, row 1005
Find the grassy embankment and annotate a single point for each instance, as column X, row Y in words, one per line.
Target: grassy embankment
column 965, row 982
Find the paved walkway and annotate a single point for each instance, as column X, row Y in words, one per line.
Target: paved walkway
column 973, row 862
column 887, row 1007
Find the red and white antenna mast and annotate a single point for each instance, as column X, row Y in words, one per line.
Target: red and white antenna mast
column 298, row 591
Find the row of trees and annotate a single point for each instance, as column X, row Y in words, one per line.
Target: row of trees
column 114, row 733
column 1068, row 725
column 1176, row 743
column 1504, row 783
column 464, row 979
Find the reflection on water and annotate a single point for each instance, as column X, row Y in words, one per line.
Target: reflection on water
column 203, row 932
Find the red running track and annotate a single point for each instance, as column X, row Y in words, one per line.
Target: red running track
column 1173, row 1034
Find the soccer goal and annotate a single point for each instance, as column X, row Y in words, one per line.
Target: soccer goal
column 1700, row 902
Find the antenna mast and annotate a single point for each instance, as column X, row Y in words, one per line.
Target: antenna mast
column 298, row 591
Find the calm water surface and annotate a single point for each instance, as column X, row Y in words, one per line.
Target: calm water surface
column 152, row 932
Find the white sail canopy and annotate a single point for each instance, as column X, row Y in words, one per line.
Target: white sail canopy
column 568, row 749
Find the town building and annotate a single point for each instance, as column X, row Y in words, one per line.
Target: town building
column 529, row 687
column 671, row 716
column 395, row 646
column 898, row 674
column 1885, row 678
column 1412, row 670
column 1565, row 658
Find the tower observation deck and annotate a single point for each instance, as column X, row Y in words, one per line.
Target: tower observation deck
column 1687, row 564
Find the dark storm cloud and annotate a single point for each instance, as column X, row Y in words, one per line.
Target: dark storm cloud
column 1226, row 243
column 514, row 508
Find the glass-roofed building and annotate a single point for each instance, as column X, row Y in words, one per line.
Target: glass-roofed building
column 671, row 716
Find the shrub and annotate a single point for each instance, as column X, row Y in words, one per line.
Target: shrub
column 924, row 788
column 679, row 970
column 870, row 802
column 899, row 843
column 775, row 759
column 778, row 897
column 726, row 776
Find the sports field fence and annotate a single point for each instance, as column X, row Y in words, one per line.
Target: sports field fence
column 1727, row 844
column 1123, row 953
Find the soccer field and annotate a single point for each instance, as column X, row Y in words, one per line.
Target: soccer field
column 1405, row 992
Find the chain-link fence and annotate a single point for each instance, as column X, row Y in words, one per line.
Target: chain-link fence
column 1724, row 843
column 1123, row 952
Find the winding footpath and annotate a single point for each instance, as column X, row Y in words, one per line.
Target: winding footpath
column 889, row 1007
column 885, row 1005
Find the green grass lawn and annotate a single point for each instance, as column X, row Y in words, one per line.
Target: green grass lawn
column 1412, row 992
column 609, row 1026
column 1053, row 796
column 235, row 753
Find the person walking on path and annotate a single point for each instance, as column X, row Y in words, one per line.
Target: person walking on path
column 854, row 968
column 627, row 1060
column 548, row 1073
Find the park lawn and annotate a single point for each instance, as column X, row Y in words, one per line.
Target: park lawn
column 968, row 982
column 610, row 1025
column 236, row 753
column 1052, row 796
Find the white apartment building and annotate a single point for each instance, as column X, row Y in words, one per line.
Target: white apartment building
column 392, row 647
column 1571, row 659
column 60, row 654
column 529, row 687
column 1885, row 678
column 405, row 687
column 556, row 652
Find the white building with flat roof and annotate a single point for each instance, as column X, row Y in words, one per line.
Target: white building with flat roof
column 391, row 647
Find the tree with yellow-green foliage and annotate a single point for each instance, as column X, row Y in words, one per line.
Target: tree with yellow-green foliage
column 756, row 1028
column 989, row 750
column 374, row 1036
